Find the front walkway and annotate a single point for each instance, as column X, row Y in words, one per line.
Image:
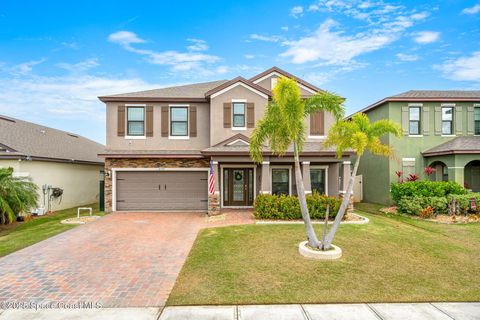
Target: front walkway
column 121, row 260
column 375, row 311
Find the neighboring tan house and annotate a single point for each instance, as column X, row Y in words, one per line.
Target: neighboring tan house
column 441, row 129
column 160, row 143
column 54, row 158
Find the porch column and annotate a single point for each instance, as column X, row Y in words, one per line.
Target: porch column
column 214, row 199
column 347, row 171
column 306, row 177
column 266, row 185
column 456, row 174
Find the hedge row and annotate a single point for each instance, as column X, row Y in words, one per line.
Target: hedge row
column 456, row 203
column 283, row 207
column 425, row 188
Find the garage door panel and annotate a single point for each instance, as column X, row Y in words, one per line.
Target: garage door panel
column 162, row 190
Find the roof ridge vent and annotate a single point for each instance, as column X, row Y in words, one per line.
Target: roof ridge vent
column 7, row 119
column 72, row 135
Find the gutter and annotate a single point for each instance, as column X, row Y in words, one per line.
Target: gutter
column 47, row 159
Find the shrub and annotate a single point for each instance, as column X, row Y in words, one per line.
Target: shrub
column 427, row 212
column 463, row 202
column 425, row 188
column 283, row 207
column 415, row 205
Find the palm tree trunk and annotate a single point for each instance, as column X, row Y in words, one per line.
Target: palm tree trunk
column 343, row 207
column 312, row 237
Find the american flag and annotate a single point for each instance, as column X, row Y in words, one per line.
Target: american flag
column 211, row 180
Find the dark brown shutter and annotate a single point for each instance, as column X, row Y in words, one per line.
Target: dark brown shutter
column 121, row 121
column 165, row 121
column 193, row 121
column 227, row 115
column 317, row 123
column 149, row 121
column 250, row 115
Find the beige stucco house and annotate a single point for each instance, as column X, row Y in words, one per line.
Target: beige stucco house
column 160, row 144
column 52, row 158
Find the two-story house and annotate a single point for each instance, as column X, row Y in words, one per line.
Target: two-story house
column 160, row 144
column 441, row 129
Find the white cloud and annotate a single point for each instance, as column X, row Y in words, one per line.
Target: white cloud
column 284, row 28
column 333, row 47
column 79, row 67
column 198, row 45
column 331, row 44
column 407, row 57
column 24, row 68
column 191, row 60
column 465, row 68
column 296, row 11
column 472, row 10
column 425, row 37
column 249, row 56
column 273, row 38
column 124, row 38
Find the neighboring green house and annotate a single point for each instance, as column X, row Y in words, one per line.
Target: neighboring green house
column 441, row 130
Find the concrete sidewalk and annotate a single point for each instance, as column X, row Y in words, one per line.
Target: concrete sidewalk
column 374, row 311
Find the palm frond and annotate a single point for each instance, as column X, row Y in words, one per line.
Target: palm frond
column 325, row 101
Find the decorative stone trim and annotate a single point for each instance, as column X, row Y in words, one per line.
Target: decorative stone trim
column 213, row 204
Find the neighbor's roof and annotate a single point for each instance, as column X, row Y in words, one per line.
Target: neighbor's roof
column 428, row 95
column 460, row 145
column 21, row 139
column 194, row 91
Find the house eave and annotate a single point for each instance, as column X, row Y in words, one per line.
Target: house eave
column 152, row 99
column 449, row 152
column 47, row 159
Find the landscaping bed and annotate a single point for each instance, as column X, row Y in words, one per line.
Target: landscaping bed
column 391, row 259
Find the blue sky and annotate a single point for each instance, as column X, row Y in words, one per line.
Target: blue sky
column 56, row 57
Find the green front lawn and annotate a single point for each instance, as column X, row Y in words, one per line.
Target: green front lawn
column 23, row 234
column 389, row 259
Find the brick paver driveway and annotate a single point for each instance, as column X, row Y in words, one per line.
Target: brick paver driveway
column 124, row 259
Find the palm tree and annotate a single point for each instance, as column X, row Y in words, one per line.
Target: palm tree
column 359, row 135
column 17, row 195
column 283, row 125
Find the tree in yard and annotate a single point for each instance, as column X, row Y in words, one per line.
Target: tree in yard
column 283, row 125
column 17, row 195
column 359, row 135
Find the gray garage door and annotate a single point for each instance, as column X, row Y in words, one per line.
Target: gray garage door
column 161, row 190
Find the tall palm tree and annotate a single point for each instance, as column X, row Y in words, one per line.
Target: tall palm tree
column 17, row 195
column 359, row 135
column 283, row 125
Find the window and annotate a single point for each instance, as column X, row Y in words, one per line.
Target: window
column 280, row 181
column 447, row 120
column 239, row 114
column 318, row 180
column 179, row 121
column 135, row 121
column 414, row 121
column 477, row 120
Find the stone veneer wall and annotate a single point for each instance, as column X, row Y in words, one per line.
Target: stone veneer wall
column 145, row 163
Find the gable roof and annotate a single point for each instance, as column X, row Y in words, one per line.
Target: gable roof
column 459, row 145
column 194, row 91
column 22, row 140
column 284, row 73
column 232, row 82
column 427, row 95
column 238, row 136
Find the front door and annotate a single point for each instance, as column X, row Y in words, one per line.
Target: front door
column 237, row 187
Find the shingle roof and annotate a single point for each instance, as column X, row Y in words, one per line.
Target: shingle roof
column 151, row 153
column 192, row 91
column 427, row 95
column 313, row 148
column 26, row 139
column 459, row 145
column 460, row 94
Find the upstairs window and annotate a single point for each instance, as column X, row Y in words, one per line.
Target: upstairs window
column 135, row 121
column 179, row 121
column 477, row 120
column 414, row 121
column 447, row 120
column 239, row 115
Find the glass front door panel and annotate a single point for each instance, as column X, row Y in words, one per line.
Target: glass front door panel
column 238, row 185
